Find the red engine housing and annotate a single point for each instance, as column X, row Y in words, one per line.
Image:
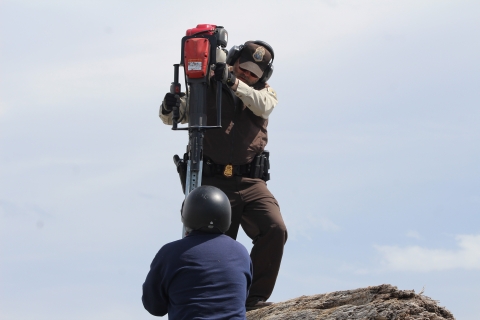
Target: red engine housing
column 196, row 53
column 207, row 28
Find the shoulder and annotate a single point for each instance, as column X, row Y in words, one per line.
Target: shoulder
column 173, row 244
column 172, row 253
column 266, row 88
column 170, row 247
column 233, row 244
column 270, row 90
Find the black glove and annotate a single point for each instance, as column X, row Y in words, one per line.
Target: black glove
column 223, row 74
column 171, row 101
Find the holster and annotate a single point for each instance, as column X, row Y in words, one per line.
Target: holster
column 181, row 169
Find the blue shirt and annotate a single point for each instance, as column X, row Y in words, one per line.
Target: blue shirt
column 202, row 276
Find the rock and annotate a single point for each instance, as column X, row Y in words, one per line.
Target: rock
column 384, row 302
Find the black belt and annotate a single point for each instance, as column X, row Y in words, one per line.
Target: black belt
column 228, row 170
column 257, row 168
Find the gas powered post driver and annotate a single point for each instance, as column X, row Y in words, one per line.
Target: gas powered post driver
column 198, row 54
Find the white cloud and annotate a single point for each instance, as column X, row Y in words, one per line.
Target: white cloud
column 413, row 234
column 308, row 224
column 416, row 258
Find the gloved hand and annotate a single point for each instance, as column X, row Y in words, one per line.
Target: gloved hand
column 223, row 74
column 171, row 101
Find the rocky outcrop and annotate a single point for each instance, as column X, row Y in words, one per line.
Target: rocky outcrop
column 384, row 302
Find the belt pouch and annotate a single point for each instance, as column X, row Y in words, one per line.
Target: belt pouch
column 266, row 166
column 255, row 166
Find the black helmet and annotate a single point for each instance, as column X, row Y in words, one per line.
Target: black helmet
column 208, row 209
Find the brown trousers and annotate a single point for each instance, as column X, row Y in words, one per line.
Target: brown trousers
column 257, row 211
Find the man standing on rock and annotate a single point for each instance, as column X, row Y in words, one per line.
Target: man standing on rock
column 235, row 160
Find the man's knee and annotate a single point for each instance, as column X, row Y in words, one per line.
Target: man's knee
column 279, row 231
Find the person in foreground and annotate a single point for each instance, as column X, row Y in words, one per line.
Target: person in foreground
column 235, row 159
column 205, row 275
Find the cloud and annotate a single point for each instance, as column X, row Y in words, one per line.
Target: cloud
column 413, row 234
column 418, row 259
column 308, row 224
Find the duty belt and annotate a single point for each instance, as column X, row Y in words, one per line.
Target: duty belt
column 229, row 170
column 258, row 168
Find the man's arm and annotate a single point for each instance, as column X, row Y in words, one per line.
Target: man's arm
column 166, row 115
column 261, row 102
column 155, row 297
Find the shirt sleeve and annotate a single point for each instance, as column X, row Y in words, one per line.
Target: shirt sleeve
column 167, row 118
column 155, row 296
column 261, row 102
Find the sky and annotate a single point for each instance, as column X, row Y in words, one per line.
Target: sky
column 374, row 147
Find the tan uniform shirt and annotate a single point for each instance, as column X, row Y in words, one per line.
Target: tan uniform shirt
column 260, row 102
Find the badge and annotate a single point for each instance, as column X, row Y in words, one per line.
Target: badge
column 258, row 54
column 228, row 171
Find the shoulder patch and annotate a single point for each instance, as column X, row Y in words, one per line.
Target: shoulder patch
column 271, row 91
